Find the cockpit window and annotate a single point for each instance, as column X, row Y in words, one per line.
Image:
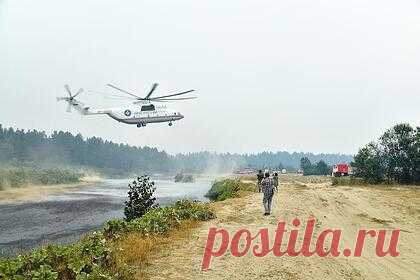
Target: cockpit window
column 150, row 107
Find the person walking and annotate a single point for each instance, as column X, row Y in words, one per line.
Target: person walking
column 276, row 181
column 260, row 177
column 268, row 186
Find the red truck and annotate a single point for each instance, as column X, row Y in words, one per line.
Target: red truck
column 341, row 169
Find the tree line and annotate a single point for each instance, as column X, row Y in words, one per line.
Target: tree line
column 394, row 158
column 32, row 147
column 319, row 168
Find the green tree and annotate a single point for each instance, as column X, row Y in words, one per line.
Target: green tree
column 395, row 158
column 36, row 148
column 399, row 153
column 306, row 166
column 322, row 168
column 369, row 164
column 417, row 157
column 140, row 198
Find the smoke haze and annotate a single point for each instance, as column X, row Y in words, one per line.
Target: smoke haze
column 323, row 76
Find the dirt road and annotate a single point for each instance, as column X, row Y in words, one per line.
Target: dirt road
column 346, row 208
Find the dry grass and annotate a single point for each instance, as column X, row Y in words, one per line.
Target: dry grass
column 38, row 193
column 313, row 179
column 248, row 177
column 138, row 251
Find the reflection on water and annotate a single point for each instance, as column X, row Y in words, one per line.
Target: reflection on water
column 165, row 189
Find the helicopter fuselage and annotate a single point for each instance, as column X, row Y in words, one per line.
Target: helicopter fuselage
column 144, row 114
column 134, row 114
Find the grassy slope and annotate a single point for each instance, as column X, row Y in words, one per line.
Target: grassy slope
column 19, row 177
column 229, row 188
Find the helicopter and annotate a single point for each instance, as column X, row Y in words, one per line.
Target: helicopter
column 141, row 112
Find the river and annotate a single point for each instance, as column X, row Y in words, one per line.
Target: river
column 64, row 218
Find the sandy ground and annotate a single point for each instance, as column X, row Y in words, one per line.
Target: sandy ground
column 38, row 193
column 347, row 208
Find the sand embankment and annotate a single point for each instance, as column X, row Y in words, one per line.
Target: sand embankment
column 346, row 208
column 38, row 193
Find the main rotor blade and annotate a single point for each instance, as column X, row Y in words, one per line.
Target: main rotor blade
column 78, row 92
column 68, row 107
column 124, row 91
column 111, row 95
column 176, row 94
column 151, row 90
column 67, row 89
column 163, row 101
column 174, row 99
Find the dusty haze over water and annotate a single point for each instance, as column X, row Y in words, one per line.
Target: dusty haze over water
column 323, row 76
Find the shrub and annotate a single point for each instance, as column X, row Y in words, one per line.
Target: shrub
column 114, row 228
column 140, row 198
column 183, row 178
column 161, row 220
column 178, row 177
column 228, row 188
column 17, row 177
column 347, row 181
column 188, row 179
column 87, row 259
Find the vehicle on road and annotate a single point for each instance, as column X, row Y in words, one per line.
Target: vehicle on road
column 341, row 169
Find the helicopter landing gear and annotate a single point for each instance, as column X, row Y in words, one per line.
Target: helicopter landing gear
column 141, row 124
column 170, row 123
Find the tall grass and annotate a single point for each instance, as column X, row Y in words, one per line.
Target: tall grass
column 353, row 181
column 137, row 251
column 228, row 188
column 18, row 177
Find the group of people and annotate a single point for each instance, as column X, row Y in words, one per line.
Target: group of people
column 267, row 185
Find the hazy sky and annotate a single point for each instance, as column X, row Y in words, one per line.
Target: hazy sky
column 295, row 75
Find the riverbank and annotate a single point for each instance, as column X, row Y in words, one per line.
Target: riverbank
column 41, row 192
column 342, row 207
column 179, row 253
column 65, row 217
column 108, row 253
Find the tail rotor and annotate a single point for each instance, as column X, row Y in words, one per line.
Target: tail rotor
column 71, row 98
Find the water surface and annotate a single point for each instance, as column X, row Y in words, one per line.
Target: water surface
column 64, row 218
